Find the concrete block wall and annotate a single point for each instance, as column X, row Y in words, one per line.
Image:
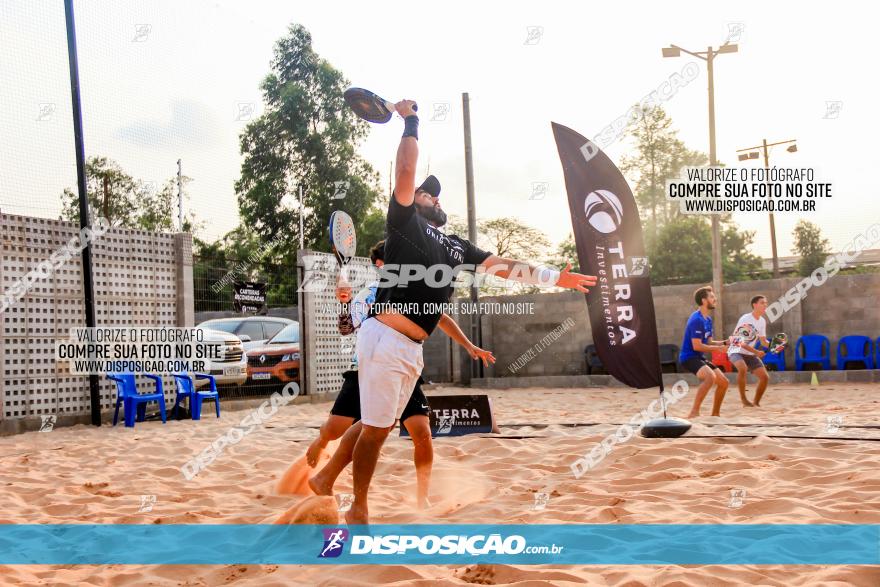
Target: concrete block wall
column 141, row 279
column 846, row 304
column 508, row 336
column 438, row 358
column 843, row 305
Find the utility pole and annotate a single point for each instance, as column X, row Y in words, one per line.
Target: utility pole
column 476, row 367
column 752, row 153
column 717, row 274
column 301, row 224
column 179, row 195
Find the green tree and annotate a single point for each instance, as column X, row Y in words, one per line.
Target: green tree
column 247, row 257
column 809, row 244
column 210, row 265
column 737, row 263
column 157, row 208
column 509, row 237
column 683, row 252
column 566, row 252
column 506, row 237
column 458, row 225
column 372, row 231
column 126, row 201
column 306, row 136
column 659, row 156
column 112, row 193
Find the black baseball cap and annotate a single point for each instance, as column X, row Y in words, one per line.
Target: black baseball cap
column 431, row 185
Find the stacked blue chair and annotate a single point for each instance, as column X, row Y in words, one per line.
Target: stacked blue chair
column 775, row 359
column 186, row 389
column 133, row 402
column 877, row 358
column 812, row 348
column 855, row 349
column 592, row 358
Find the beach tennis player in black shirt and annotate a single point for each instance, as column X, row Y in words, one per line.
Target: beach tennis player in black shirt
column 405, row 314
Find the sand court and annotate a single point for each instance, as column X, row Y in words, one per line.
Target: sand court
column 729, row 470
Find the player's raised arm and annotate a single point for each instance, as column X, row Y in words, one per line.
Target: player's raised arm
column 525, row 272
column 407, row 155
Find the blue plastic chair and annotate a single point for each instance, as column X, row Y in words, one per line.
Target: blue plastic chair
column 877, row 348
column 186, row 388
column 776, row 359
column 853, row 349
column 127, row 395
column 816, row 349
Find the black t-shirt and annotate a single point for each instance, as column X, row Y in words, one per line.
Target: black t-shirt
column 411, row 240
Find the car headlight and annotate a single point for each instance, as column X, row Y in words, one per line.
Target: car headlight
column 290, row 357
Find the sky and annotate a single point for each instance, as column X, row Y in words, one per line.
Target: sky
column 163, row 81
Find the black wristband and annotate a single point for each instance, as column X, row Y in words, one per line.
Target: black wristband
column 411, row 126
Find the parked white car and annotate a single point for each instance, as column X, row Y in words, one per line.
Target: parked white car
column 254, row 331
column 231, row 367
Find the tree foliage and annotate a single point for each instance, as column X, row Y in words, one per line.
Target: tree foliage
column 679, row 246
column 128, row 202
column 566, row 252
column 307, row 137
column 505, row 237
column 682, row 253
column 809, row 244
column 659, row 156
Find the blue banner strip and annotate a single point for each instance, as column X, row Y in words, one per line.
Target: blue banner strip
column 556, row 544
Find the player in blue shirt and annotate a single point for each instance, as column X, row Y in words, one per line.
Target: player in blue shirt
column 698, row 340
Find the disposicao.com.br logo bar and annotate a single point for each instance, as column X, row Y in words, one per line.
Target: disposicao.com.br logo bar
column 577, row 544
column 438, row 544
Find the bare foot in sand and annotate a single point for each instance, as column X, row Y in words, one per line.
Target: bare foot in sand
column 693, row 415
column 320, row 485
column 748, row 404
column 422, row 502
column 357, row 515
column 314, row 452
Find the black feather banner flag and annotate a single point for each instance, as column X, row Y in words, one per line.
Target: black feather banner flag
column 608, row 234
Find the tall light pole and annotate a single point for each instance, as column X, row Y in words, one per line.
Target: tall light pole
column 709, row 57
column 752, row 153
column 476, row 367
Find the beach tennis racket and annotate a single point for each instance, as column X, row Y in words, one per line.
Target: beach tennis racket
column 778, row 342
column 745, row 333
column 342, row 237
column 369, row 106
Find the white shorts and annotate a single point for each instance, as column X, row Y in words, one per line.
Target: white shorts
column 389, row 364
